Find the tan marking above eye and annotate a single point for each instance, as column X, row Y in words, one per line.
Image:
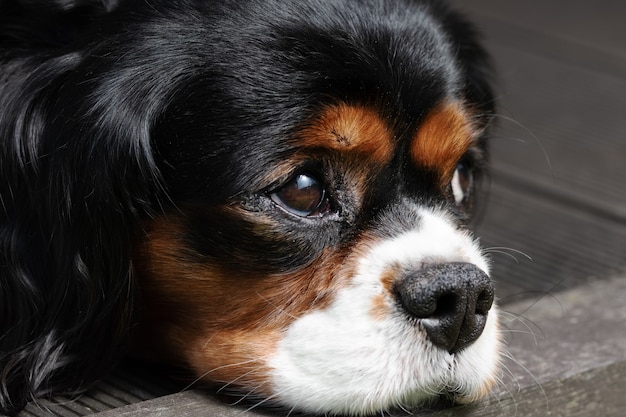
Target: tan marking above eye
column 444, row 136
column 344, row 127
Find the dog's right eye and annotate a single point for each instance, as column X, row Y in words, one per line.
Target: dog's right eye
column 462, row 184
column 304, row 195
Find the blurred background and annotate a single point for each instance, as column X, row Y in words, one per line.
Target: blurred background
column 558, row 187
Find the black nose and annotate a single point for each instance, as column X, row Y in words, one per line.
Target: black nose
column 451, row 300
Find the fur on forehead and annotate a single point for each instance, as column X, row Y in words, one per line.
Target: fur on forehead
column 290, row 72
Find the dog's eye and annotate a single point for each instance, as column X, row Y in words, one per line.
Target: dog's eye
column 462, row 184
column 303, row 196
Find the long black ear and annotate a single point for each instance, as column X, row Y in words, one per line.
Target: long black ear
column 76, row 172
column 32, row 24
column 47, row 6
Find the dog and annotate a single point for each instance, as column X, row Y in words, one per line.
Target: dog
column 272, row 195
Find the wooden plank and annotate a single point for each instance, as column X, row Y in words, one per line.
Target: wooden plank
column 505, row 30
column 570, row 360
column 184, row 404
column 132, row 382
column 597, row 392
column 553, row 246
column 598, row 24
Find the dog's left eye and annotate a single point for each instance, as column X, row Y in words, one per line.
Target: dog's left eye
column 462, row 184
column 304, row 196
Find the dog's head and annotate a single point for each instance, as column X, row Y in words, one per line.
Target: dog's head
column 288, row 182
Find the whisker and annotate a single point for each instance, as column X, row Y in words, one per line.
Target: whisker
column 526, row 322
column 505, row 250
column 499, row 383
column 291, row 410
column 508, row 355
column 506, row 254
column 549, row 292
column 230, row 365
column 403, row 407
column 531, row 134
column 513, row 138
column 277, row 308
column 261, row 402
column 228, row 384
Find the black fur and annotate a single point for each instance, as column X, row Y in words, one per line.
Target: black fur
column 112, row 113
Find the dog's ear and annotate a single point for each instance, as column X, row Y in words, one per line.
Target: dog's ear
column 65, row 284
column 72, row 186
column 109, row 5
column 61, row 5
column 32, row 24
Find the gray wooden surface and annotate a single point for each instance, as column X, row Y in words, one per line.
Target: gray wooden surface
column 559, row 192
column 555, row 220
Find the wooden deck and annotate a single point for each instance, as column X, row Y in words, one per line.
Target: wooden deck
column 556, row 221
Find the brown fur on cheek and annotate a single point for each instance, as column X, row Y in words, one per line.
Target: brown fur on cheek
column 220, row 324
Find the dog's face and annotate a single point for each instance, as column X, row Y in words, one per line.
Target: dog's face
column 302, row 174
column 317, row 253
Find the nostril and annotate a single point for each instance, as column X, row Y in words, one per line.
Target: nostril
column 484, row 301
column 446, row 305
